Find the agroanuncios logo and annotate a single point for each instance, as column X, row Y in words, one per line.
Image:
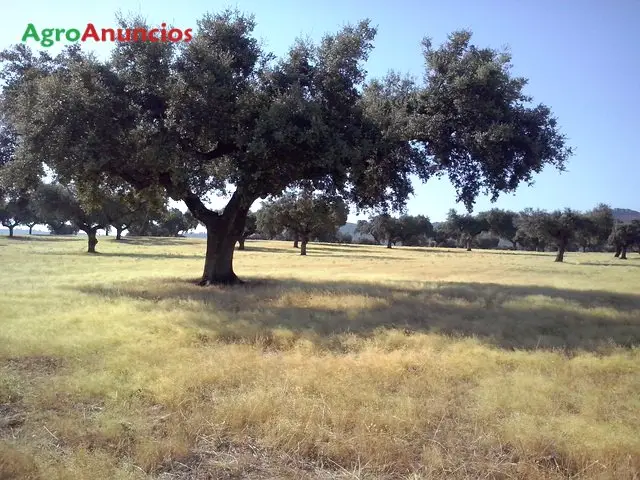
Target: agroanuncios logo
column 49, row 36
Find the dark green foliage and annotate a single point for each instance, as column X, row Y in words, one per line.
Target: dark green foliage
column 61, row 228
column 486, row 242
column 408, row 229
column 414, row 230
column 267, row 224
column 11, row 212
column 529, row 233
column 383, row 228
column 464, row 228
column 345, row 238
column 594, row 228
column 59, row 204
column 476, row 123
column 126, row 207
column 501, row 223
column 624, row 236
column 250, row 227
column 559, row 227
column 161, row 223
column 307, row 215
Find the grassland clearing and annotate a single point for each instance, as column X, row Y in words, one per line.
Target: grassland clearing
column 352, row 362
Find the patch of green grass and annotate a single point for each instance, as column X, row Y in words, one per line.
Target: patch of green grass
column 352, row 362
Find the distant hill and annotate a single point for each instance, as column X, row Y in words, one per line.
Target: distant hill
column 625, row 214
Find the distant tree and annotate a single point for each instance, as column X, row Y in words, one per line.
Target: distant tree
column 465, row 227
column 560, row 227
column 501, row 223
column 624, row 236
column 487, row 242
column 250, row 227
column 414, row 230
column 11, row 211
column 57, row 227
column 595, row 228
column 267, row 224
column 156, row 222
column 383, row 228
column 177, row 222
column 123, row 208
column 442, row 236
column 308, row 215
column 31, row 216
column 363, row 227
column 345, row 238
column 66, row 203
column 529, row 232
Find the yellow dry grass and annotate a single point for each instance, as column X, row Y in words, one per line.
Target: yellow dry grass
column 354, row 362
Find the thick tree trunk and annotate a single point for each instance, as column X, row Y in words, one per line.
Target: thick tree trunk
column 296, row 240
column 584, row 249
column 218, row 265
column 515, row 245
column 92, row 240
column 389, row 243
column 468, row 245
column 303, row 245
column 560, row 255
column 119, row 233
column 223, row 232
column 11, row 230
column 241, row 244
column 31, row 229
column 618, row 251
column 623, row 255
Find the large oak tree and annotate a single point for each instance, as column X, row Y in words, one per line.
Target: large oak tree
column 220, row 114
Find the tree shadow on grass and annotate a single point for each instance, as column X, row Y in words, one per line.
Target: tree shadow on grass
column 160, row 241
column 506, row 316
column 313, row 252
column 593, row 264
column 489, row 252
column 43, row 238
column 163, row 256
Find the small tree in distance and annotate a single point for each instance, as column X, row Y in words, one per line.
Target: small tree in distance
column 61, row 203
column 465, row 227
column 501, row 223
column 250, row 227
column 560, row 227
column 308, row 215
column 624, row 236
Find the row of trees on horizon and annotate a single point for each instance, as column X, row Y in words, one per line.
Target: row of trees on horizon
column 305, row 216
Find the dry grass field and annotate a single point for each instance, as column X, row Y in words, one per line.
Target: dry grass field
column 355, row 362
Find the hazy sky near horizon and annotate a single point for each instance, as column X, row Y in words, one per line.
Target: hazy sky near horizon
column 581, row 58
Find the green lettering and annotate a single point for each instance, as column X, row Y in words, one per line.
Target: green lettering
column 72, row 35
column 31, row 32
column 47, row 33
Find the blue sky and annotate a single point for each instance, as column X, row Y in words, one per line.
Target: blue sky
column 581, row 58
